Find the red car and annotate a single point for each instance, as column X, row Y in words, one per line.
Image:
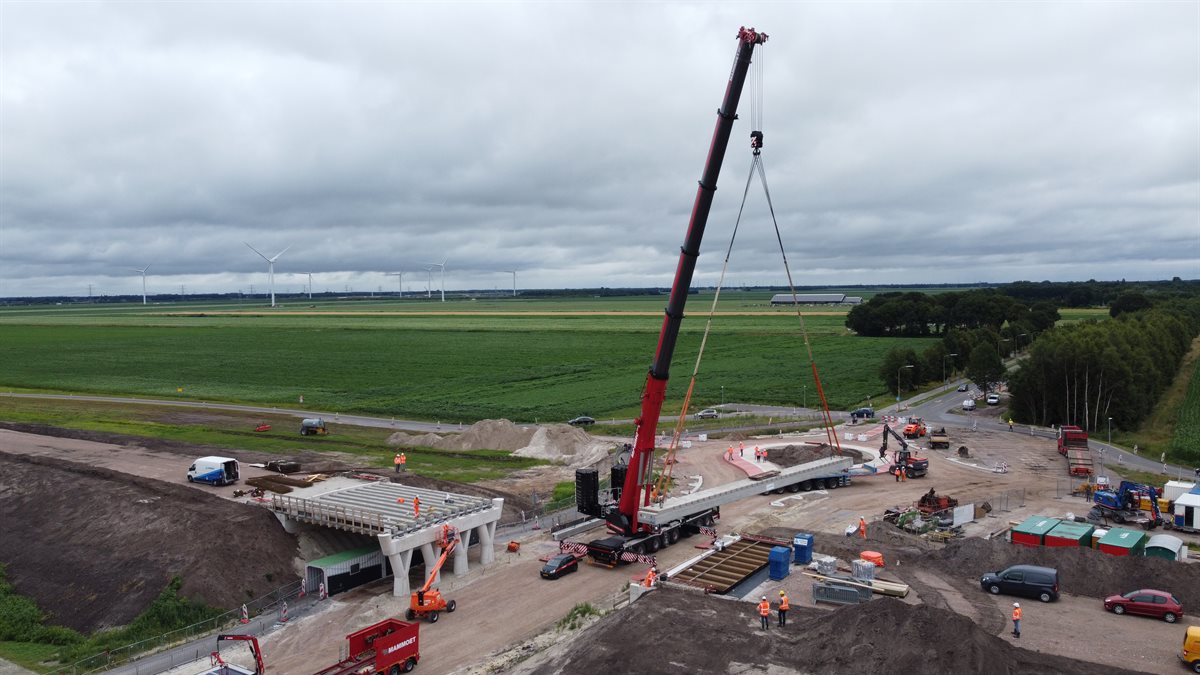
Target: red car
column 1147, row 602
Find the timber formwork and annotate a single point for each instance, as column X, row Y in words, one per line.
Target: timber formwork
column 725, row 568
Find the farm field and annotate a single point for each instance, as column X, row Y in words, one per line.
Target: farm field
column 535, row 361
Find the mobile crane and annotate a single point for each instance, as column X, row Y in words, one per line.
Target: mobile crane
column 914, row 467
column 427, row 602
column 629, row 533
column 223, row 668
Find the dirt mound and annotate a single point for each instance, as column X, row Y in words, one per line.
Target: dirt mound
column 791, row 455
column 1081, row 571
column 658, row 634
column 94, row 547
column 553, row 442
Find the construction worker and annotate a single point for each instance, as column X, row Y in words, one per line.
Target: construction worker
column 650, row 578
column 729, row 454
column 764, row 454
column 1016, row 620
column 898, row 472
column 862, row 527
column 764, row 613
column 741, row 449
column 784, row 606
column 403, row 462
column 416, row 507
column 1010, row 424
column 396, row 462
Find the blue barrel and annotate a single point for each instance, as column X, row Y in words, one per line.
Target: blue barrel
column 802, row 545
column 780, row 562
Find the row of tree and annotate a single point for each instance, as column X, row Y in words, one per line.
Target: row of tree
column 1087, row 373
column 915, row 314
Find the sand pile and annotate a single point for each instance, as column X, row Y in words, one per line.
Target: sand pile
column 658, row 634
column 554, row 442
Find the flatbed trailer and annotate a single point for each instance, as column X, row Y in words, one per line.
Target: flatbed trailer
column 384, row 648
column 1079, row 461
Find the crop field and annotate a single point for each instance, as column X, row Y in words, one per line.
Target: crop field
column 455, row 361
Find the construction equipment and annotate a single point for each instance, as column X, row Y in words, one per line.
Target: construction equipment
column 390, row 646
column 314, row 426
column 939, row 439
column 914, row 467
column 915, row 428
column 224, row 668
column 427, row 602
column 1073, row 444
column 931, row 502
column 1121, row 505
column 636, row 474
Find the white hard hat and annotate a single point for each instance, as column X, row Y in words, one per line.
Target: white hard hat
column 764, row 597
column 1016, row 604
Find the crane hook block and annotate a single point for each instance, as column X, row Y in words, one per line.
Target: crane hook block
column 751, row 36
column 756, row 139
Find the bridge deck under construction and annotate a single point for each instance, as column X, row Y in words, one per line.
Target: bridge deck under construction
column 723, row 569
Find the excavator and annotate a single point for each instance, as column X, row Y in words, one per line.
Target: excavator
column 427, row 601
column 1121, row 505
column 914, row 467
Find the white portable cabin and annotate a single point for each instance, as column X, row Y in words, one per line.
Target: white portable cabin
column 1187, row 512
column 1176, row 488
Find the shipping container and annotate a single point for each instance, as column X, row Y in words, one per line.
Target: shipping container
column 1186, row 515
column 1068, row 533
column 1174, row 489
column 1122, row 542
column 1033, row 531
column 780, row 562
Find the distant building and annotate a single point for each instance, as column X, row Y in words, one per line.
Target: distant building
column 852, row 300
column 809, row 299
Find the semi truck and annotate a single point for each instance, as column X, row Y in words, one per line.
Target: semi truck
column 1073, row 444
column 636, row 525
column 385, row 648
column 214, row 471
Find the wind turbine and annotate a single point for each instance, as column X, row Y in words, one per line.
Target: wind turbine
column 514, row 273
column 400, row 280
column 441, row 265
column 270, row 267
column 310, row 285
column 428, row 281
column 143, row 273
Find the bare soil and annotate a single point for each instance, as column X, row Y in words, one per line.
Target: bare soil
column 93, row 547
column 659, row 633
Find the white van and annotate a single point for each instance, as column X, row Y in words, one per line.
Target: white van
column 214, row 470
column 969, row 404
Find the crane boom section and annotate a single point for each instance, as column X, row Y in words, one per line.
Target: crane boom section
column 437, row 567
column 634, row 496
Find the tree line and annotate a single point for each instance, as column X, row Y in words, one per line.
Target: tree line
column 915, row 314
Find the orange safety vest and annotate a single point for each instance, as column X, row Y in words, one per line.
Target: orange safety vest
column 397, row 460
column 403, row 459
column 416, row 506
column 783, row 603
column 648, row 582
column 764, row 453
column 764, row 608
column 1016, row 613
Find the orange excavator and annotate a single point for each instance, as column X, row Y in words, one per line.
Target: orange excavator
column 427, row 602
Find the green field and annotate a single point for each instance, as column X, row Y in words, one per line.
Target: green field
column 455, row 361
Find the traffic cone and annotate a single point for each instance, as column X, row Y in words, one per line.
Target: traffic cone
column 283, row 617
column 322, row 591
column 245, row 614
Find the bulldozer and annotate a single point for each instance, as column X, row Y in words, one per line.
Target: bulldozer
column 427, row 602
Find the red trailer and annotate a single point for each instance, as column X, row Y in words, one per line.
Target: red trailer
column 387, row 648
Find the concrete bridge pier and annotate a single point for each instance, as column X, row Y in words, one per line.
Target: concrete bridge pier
column 460, row 553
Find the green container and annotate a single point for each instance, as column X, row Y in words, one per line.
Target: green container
column 1069, row 534
column 1033, row 531
column 1122, row 542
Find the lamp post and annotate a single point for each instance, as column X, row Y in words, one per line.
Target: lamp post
column 722, row 394
column 804, row 388
column 945, row 382
column 1020, row 335
column 898, row 370
column 1110, row 431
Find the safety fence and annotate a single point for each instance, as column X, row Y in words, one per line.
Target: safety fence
column 267, row 604
column 1008, row 500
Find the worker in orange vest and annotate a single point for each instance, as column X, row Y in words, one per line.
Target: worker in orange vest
column 1016, row 619
column 784, row 606
column 416, row 507
column 862, row 527
column 764, row 613
column 741, row 449
column 729, row 454
column 403, row 462
column 650, row 578
column 764, row 454
column 397, row 462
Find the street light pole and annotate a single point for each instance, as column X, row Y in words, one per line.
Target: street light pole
column 1110, row 431
column 945, row 382
column 722, row 394
column 898, row 370
column 804, row 388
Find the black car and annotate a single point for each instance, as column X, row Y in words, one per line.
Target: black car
column 1028, row 580
column 563, row 563
column 863, row 413
column 581, row 421
column 963, row 387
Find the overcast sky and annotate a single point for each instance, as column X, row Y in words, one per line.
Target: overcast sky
column 905, row 143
